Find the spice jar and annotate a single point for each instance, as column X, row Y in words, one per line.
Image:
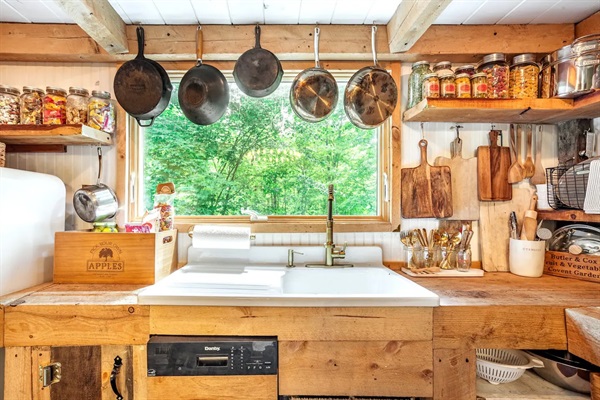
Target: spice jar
column 524, row 75
column 545, row 83
column 443, row 67
column 496, row 69
column 31, row 104
column 479, row 85
column 55, row 110
column 101, row 111
column 447, row 85
column 9, row 105
column 77, row 105
column 465, row 69
column 431, row 86
column 415, row 82
column 463, row 86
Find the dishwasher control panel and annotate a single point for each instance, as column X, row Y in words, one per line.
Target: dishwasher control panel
column 211, row 355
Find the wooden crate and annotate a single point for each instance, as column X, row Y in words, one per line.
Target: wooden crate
column 583, row 266
column 134, row 258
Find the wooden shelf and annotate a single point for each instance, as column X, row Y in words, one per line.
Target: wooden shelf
column 53, row 135
column 546, row 111
column 568, row 215
column 528, row 387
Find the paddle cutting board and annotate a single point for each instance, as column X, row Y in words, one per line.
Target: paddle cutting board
column 493, row 163
column 465, row 204
column 426, row 190
column 494, row 231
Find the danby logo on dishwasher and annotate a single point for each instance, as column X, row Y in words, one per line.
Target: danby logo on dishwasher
column 105, row 257
column 212, row 348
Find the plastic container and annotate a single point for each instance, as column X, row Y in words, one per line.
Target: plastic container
column 431, row 86
column 101, row 112
column 415, row 82
column 524, row 77
column 77, row 105
column 55, row 106
column 447, row 85
column 9, row 105
column 31, row 104
column 463, row 86
column 479, row 86
column 526, row 257
column 504, row 365
column 497, row 71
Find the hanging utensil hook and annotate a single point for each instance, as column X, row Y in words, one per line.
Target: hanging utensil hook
column 317, row 33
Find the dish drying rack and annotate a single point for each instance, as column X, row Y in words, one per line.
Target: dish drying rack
column 567, row 186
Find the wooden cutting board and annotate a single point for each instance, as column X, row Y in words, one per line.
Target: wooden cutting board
column 493, row 163
column 426, row 190
column 494, row 227
column 465, row 204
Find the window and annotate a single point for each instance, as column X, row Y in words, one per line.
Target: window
column 261, row 156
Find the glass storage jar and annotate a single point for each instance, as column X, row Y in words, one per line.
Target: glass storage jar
column 415, row 82
column 443, row 67
column 496, row 68
column 447, row 85
column 463, row 86
column 101, row 111
column 431, row 86
column 77, row 105
column 9, row 105
column 479, row 86
column 425, row 257
column 524, row 75
column 31, row 104
column 465, row 69
column 55, row 106
column 545, row 77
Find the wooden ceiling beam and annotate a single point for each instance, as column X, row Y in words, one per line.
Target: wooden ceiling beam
column 588, row 26
column 410, row 21
column 100, row 21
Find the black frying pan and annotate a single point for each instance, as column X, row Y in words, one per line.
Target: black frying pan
column 257, row 72
column 203, row 91
column 142, row 86
column 371, row 94
column 314, row 92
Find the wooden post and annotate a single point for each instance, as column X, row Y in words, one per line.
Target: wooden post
column 454, row 374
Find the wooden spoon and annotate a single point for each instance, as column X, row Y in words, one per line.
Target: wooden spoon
column 539, row 176
column 515, row 172
column 528, row 166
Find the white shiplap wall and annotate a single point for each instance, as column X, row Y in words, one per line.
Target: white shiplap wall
column 79, row 165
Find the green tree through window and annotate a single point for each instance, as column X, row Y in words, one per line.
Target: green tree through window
column 260, row 155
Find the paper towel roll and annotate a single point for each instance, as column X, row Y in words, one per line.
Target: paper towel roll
column 220, row 237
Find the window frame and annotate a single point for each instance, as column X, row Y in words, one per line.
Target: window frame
column 388, row 172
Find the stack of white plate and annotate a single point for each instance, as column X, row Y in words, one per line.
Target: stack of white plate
column 591, row 204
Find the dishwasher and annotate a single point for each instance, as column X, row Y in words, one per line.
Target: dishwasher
column 212, row 367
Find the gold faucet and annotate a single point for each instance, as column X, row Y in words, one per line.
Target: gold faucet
column 331, row 252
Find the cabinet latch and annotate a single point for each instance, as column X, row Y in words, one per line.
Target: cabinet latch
column 50, row 374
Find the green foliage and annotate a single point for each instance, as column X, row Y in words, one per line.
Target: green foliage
column 260, row 155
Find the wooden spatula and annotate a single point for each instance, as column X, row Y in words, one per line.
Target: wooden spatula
column 539, row 175
column 515, row 173
column 528, row 166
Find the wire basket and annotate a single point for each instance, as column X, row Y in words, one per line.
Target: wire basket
column 502, row 366
column 567, row 185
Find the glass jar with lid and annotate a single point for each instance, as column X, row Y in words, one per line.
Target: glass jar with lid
column 77, row 105
column 545, row 85
column 496, row 68
column 443, row 67
column 9, row 105
column 447, row 85
column 31, row 104
column 415, row 82
column 479, row 86
column 55, row 106
column 431, row 86
column 524, row 75
column 463, row 86
column 101, row 111
column 465, row 69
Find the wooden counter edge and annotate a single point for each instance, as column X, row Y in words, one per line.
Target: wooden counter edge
column 583, row 333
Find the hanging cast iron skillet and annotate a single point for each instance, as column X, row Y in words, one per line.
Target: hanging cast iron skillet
column 203, row 91
column 314, row 92
column 257, row 72
column 371, row 94
column 142, row 86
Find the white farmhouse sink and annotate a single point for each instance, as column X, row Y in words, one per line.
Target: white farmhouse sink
column 273, row 284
